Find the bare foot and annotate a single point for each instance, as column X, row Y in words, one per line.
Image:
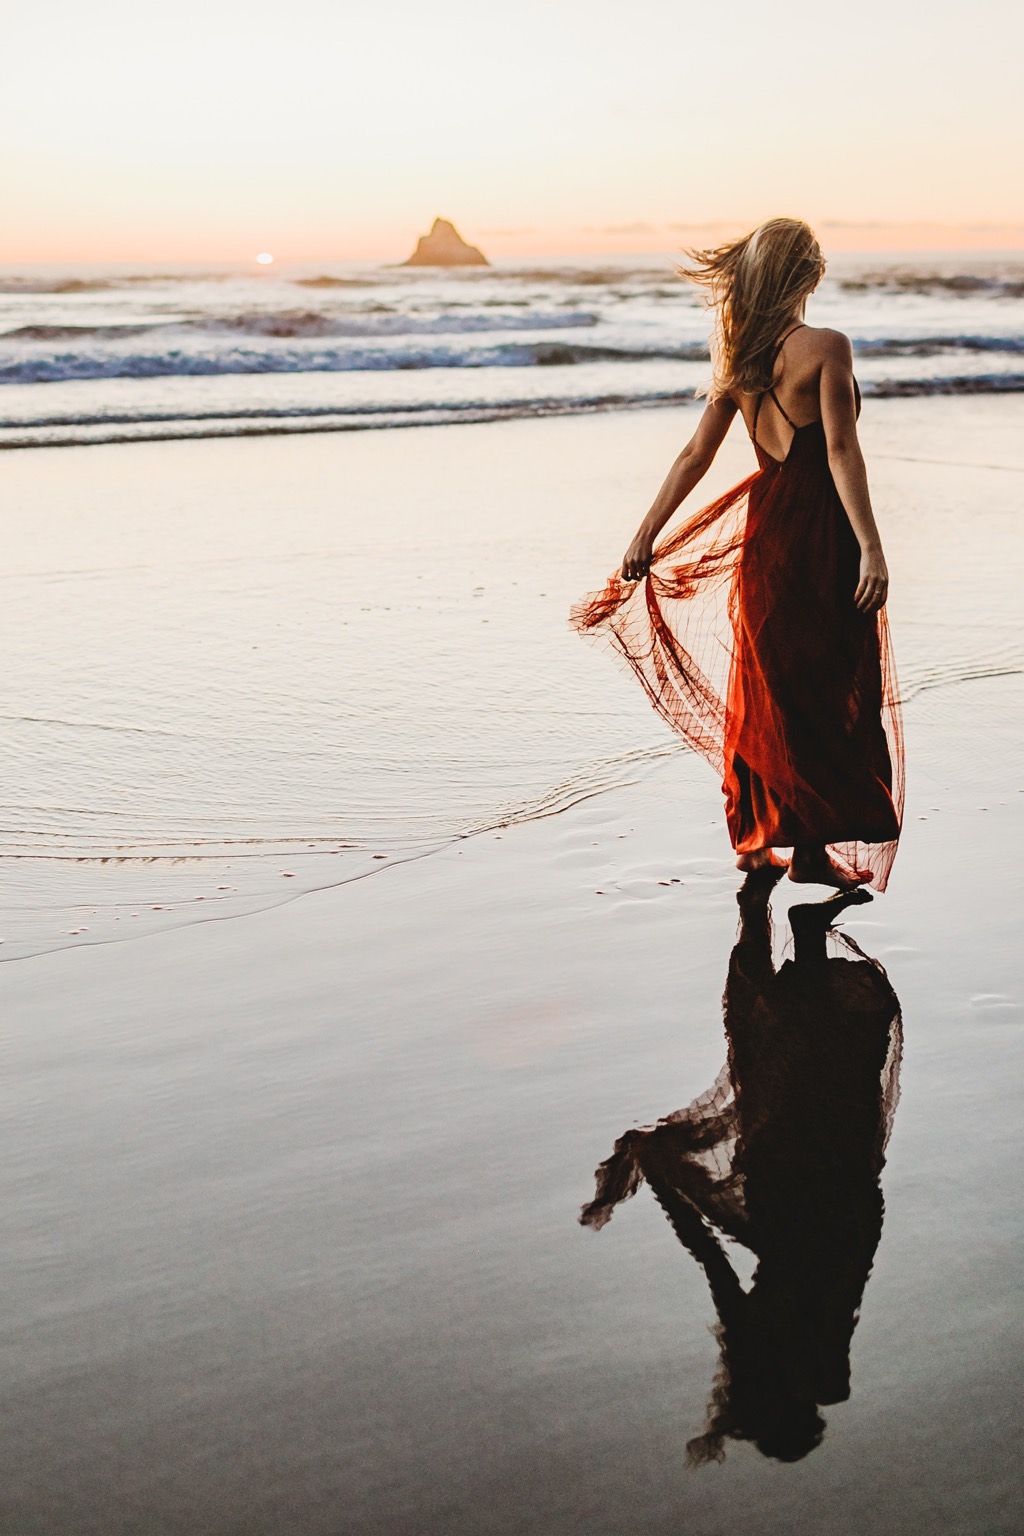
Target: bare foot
column 760, row 858
column 812, row 920
column 818, row 869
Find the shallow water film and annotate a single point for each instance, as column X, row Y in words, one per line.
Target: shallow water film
column 356, row 913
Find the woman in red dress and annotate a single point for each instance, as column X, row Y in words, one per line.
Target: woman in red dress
column 758, row 627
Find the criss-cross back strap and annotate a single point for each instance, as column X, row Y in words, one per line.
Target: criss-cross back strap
column 771, row 388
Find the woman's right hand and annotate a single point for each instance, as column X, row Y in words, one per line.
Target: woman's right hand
column 873, row 585
column 637, row 561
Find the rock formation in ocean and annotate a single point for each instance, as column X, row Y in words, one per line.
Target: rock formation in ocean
column 445, row 247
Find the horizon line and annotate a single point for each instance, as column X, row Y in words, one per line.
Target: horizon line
column 842, row 236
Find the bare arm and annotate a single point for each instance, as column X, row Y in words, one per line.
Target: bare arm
column 845, row 460
column 689, row 468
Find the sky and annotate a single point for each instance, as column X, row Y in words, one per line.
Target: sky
column 213, row 129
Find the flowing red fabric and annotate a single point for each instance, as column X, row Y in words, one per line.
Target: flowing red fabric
column 746, row 637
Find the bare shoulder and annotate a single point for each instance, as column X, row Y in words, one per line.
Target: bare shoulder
column 827, row 345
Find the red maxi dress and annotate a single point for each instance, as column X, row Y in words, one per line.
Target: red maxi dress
column 747, row 640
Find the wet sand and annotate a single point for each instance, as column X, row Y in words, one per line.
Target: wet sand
column 289, row 1202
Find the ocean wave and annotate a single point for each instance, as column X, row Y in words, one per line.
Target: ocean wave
column 126, row 427
column 216, row 345
column 368, row 320
column 60, row 367
column 335, row 282
column 989, row 278
column 298, row 412
column 382, row 320
column 76, row 332
column 73, row 285
column 977, row 384
column 968, row 284
column 34, row 364
column 935, row 346
column 581, row 277
column 142, row 425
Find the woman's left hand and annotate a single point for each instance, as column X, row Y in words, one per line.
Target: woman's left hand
column 873, row 586
column 637, row 561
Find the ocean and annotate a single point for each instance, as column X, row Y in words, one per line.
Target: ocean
column 121, row 354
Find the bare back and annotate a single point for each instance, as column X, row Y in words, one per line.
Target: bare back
column 795, row 397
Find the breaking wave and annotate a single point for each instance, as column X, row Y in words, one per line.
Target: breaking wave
column 935, row 346
column 968, row 284
column 42, row 354
column 192, row 361
column 141, row 425
column 371, row 320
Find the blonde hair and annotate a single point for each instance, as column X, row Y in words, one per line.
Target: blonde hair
column 754, row 284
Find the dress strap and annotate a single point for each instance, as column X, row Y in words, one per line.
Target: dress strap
column 779, row 407
column 800, row 325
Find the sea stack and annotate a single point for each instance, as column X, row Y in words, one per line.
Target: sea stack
column 445, row 247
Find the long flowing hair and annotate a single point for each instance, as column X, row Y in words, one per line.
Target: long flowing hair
column 753, row 285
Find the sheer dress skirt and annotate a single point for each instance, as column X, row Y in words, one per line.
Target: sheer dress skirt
column 747, row 640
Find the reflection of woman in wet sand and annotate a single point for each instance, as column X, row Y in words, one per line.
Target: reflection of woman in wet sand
column 757, row 626
column 783, row 1155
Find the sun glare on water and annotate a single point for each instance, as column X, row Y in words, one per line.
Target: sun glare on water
column 264, row 258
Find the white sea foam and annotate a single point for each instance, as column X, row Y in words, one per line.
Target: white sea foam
column 102, row 355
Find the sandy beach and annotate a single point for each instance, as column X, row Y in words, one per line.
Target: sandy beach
column 428, row 912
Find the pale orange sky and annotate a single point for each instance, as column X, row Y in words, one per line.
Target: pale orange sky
column 327, row 130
